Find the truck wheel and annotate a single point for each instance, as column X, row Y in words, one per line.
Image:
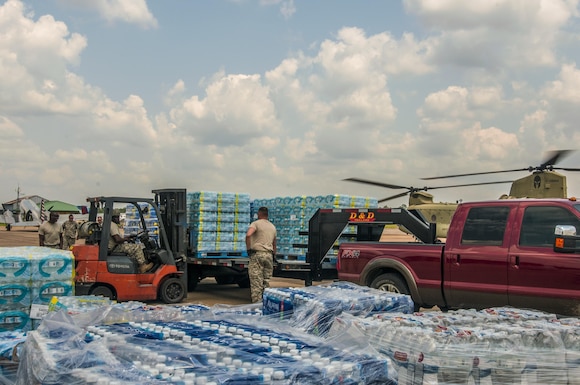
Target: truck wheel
column 8, row 227
column 172, row 290
column 104, row 291
column 390, row 282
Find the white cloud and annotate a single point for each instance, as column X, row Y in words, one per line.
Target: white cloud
column 495, row 34
column 287, row 7
column 567, row 87
column 128, row 11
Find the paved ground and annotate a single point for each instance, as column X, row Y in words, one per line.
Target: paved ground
column 208, row 292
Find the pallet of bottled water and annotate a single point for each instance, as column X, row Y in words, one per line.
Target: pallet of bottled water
column 190, row 348
column 30, row 276
column 314, row 308
column 487, row 347
column 218, row 222
column 290, row 215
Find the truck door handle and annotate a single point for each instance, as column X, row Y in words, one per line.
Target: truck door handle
column 455, row 259
column 515, row 260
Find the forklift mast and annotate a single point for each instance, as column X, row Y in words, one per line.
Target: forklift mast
column 173, row 213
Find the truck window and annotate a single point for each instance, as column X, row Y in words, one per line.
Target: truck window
column 485, row 226
column 539, row 222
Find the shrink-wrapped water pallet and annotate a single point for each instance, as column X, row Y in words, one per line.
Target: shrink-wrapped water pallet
column 487, row 347
column 218, row 222
column 187, row 348
column 29, row 277
column 290, row 215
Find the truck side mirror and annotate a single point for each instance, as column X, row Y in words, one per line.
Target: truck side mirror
column 565, row 240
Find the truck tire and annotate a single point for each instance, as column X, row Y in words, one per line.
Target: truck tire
column 104, row 291
column 172, row 290
column 390, row 282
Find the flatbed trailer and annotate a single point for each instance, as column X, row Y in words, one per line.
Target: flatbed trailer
column 325, row 228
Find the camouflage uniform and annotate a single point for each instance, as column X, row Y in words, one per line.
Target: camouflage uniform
column 260, row 272
column 69, row 234
column 134, row 251
column 261, row 244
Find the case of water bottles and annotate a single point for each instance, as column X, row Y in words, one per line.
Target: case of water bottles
column 188, row 348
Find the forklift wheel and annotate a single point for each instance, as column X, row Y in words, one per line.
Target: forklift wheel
column 104, row 291
column 172, row 290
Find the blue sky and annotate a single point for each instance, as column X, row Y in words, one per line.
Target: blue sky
column 283, row 97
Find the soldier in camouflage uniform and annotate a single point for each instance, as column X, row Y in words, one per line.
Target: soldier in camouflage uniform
column 261, row 246
column 118, row 243
column 69, row 233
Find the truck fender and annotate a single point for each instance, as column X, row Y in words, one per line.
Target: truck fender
column 381, row 264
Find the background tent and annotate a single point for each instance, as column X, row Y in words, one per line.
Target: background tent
column 61, row 207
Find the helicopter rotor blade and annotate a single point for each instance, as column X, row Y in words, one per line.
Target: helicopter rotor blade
column 475, row 173
column 470, row 184
column 553, row 157
column 566, row 168
column 374, row 183
column 394, row 196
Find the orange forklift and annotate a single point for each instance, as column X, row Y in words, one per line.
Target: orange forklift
column 114, row 275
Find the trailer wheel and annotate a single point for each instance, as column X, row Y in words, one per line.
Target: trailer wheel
column 8, row 227
column 390, row 282
column 104, row 291
column 172, row 290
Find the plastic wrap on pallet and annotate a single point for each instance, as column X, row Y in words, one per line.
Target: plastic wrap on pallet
column 11, row 344
column 491, row 346
column 191, row 348
column 314, row 308
column 30, row 276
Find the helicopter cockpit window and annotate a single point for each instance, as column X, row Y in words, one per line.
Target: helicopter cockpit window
column 485, row 226
column 539, row 223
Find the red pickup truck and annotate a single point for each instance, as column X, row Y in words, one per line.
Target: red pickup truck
column 497, row 253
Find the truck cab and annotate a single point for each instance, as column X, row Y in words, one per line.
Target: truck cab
column 502, row 252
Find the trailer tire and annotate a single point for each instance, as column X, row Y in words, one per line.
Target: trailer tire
column 104, row 291
column 172, row 290
column 392, row 283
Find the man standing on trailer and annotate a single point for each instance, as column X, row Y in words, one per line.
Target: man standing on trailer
column 261, row 246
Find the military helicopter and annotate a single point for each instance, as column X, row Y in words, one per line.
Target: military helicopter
column 543, row 182
column 421, row 201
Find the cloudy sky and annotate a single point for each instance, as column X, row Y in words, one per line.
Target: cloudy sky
column 283, row 97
